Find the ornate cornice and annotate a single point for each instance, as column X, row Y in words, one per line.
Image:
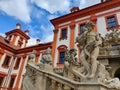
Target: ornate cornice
column 87, row 11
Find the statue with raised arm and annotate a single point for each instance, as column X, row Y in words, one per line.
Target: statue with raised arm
column 90, row 42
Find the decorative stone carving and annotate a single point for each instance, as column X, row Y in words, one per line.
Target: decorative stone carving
column 32, row 55
column 70, row 63
column 29, row 80
column 53, row 85
column 113, row 36
column 60, row 87
column 89, row 71
column 47, row 58
column 90, row 42
column 113, row 83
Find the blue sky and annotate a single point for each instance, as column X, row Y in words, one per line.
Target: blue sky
column 35, row 15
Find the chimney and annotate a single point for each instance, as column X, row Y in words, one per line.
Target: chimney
column 26, row 32
column 18, row 26
column 74, row 9
column 104, row 1
column 37, row 41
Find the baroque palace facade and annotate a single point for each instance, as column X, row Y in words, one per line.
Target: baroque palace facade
column 14, row 54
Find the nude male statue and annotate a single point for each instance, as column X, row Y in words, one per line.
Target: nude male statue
column 90, row 49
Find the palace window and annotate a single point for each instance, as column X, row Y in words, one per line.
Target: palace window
column 112, row 22
column 6, row 61
column 17, row 63
column 11, row 82
column 62, row 55
column 20, row 42
column 21, row 39
column 63, row 33
column 10, row 37
column 81, row 28
column 1, row 80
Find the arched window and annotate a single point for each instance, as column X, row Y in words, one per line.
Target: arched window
column 61, row 54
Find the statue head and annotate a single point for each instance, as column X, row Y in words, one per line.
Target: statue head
column 48, row 51
column 73, row 51
column 90, row 25
column 32, row 55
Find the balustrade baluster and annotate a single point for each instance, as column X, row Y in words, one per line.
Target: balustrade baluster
column 48, row 84
column 66, row 87
column 60, row 86
column 53, row 85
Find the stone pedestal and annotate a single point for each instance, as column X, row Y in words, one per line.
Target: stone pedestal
column 91, row 84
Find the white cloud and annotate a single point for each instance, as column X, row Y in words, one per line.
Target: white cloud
column 18, row 8
column 48, row 38
column 53, row 6
column 47, row 33
column 87, row 3
column 2, row 34
column 31, row 41
column 44, row 33
column 52, row 17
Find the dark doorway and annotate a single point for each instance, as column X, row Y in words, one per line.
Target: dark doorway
column 117, row 74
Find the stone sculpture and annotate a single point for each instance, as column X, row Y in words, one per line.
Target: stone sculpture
column 113, row 83
column 32, row 56
column 89, row 69
column 29, row 80
column 70, row 63
column 47, row 58
column 90, row 42
column 113, row 36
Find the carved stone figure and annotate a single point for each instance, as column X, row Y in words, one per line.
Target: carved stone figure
column 29, row 80
column 113, row 36
column 90, row 49
column 113, row 83
column 70, row 63
column 66, row 63
column 47, row 58
column 32, row 55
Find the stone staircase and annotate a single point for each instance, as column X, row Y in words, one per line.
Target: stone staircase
column 46, row 79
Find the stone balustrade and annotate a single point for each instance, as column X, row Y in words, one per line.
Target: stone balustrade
column 48, row 80
column 109, row 51
column 54, row 81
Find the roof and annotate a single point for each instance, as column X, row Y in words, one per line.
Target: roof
column 37, row 47
column 86, row 11
column 18, row 31
column 4, row 43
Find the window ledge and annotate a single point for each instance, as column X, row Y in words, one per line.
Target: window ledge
column 15, row 68
column 60, row 64
column 65, row 38
column 112, row 28
column 5, row 66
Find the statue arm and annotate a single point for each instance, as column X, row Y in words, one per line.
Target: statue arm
column 98, row 40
